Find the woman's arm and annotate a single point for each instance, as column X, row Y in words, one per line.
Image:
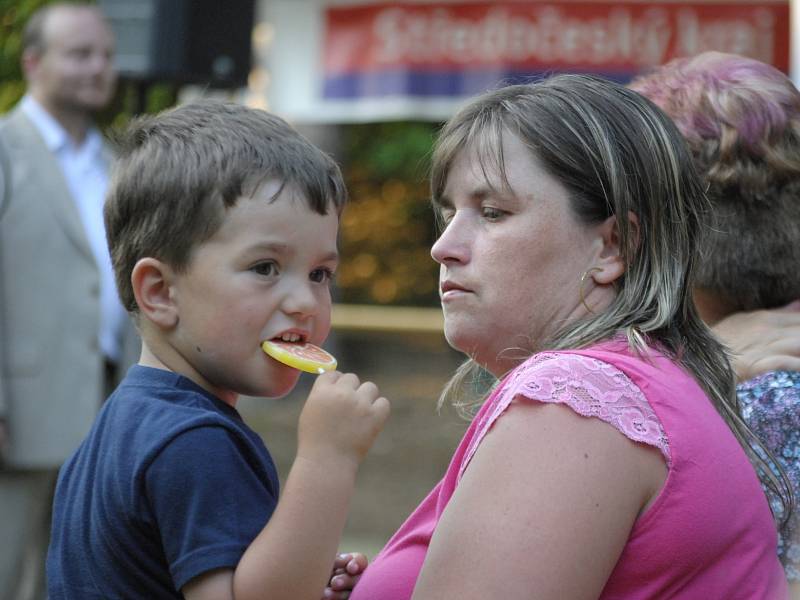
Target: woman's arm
column 546, row 506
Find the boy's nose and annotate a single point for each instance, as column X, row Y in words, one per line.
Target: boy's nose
column 300, row 300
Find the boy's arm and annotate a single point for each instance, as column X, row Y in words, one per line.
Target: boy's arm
column 212, row 585
column 218, row 584
column 292, row 556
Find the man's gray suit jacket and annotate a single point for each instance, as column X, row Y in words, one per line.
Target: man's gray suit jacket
column 52, row 377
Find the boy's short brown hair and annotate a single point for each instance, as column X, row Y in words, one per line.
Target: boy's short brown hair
column 179, row 171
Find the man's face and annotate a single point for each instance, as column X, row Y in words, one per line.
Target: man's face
column 73, row 71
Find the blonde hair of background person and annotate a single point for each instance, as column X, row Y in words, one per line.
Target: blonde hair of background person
column 741, row 119
column 572, row 215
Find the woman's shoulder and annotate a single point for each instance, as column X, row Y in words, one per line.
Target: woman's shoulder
column 606, row 369
column 588, row 384
column 593, row 384
column 650, row 368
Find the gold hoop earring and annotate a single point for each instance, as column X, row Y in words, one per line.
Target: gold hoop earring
column 586, row 274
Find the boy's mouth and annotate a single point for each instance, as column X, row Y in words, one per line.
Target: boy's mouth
column 290, row 337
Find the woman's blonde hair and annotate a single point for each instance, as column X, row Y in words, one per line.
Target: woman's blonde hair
column 617, row 154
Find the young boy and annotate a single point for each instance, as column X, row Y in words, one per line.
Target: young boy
column 222, row 225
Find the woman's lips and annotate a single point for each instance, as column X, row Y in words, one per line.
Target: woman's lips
column 451, row 290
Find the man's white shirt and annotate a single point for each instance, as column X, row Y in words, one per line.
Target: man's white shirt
column 86, row 172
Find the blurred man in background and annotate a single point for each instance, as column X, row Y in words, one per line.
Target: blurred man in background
column 64, row 336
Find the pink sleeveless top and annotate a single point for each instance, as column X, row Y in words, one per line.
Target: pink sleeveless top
column 709, row 534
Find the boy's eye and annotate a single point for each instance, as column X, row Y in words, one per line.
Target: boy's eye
column 321, row 275
column 268, row 269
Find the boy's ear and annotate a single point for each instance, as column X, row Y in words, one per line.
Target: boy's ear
column 610, row 264
column 151, row 280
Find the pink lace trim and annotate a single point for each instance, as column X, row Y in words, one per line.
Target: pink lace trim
column 590, row 387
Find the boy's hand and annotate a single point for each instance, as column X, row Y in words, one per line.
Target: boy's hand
column 347, row 569
column 341, row 419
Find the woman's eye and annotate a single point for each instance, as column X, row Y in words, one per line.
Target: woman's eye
column 445, row 216
column 267, row 269
column 491, row 214
column 321, row 275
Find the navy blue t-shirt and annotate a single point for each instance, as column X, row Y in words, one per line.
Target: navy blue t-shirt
column 169, row 483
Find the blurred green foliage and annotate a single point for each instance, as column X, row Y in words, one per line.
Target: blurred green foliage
column 13, row 16
column 388, row 227
column 131, row 97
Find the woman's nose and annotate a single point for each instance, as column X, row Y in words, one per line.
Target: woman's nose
column 452, row 245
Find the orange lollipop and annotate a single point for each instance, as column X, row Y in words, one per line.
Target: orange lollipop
column 303, row 356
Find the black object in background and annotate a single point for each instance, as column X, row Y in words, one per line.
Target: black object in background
column 183, row 41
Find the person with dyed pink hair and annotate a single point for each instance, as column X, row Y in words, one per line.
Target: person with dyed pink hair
column 741, row 119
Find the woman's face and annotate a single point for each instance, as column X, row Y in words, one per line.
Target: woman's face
column 511, row 260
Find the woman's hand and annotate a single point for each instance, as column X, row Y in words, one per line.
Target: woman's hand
column 347, row 569
column 762, row 340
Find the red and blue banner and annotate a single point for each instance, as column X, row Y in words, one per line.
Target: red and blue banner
column 457, row 49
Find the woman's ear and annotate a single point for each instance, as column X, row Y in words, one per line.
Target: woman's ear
column 610, row 264
column 151, row 280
